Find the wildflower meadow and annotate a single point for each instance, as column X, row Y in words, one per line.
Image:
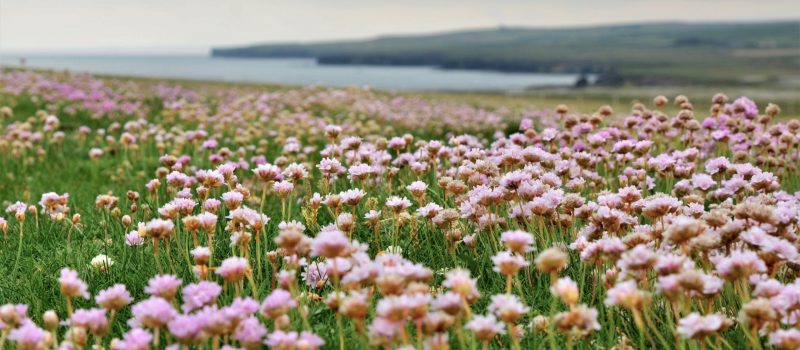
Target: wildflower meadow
column 139, row 215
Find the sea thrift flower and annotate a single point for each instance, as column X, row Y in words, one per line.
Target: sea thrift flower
column 114, row 298
column 201, row 255
column 186, row 328
column 159, row 228
column 739, row 264
column 71, row 285
column 153, row 312
column 232, row 199
column 507, row 307
column 579, row 320
column 417, row 189
column 566, row 289
column 250, row 332
column 626, row 294
column 233, row 269
column 164, row 286
column 136, row 339
column 398, row 204
column 277, row 304
column 552, row 260
column 197, row 295
column 485, row 327
column 133, row 239
column 268, row 172
column 696, row 326
column 283, row 188
column 519, row 242
column 212, row 205
column 281, row 340
column 28, row 337
column 95, row 153
column 93, row 320
column 508, row 263
column 461, row 283
column 102, row 263
column 785, row 339
column 330, row 243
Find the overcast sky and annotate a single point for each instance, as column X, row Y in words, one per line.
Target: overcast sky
column 195, row 25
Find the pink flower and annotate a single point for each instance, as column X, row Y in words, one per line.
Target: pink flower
column 250, row 332
column 242, row 308
column 114, row 298
column 211, row 205
column 330, row 168
column 330, row 243
column 566, row 289
column 233, row 269
column 639, row 258
column 696, row 326
column 153, row 312
column 485, row 327
column 383, row 331
column 360, row 172
column 508, row 263
column 268, row 172
column 232, row 199
column 625, row 294
column 283, row 188
column 517, row 241
column 672, row 263
column 417, row 188
column 785, row 339
column 703, row 182
column 71, row 285
column 459, row 281
column 398, row 204
column 133, row 239
column 92, row 319
column 158, row 228
column 164, row 286
column 187, row 329
column 201, row 255
column 295, row 172
column 281, row 340
column 278, row 303
column 197, row 295
column 137, row 339
column 738, row 264
column 507, row 307
column 717, row 165
column 28, row 336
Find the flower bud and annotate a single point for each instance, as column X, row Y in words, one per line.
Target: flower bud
column 50, row 319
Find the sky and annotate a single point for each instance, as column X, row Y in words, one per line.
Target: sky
column 193, row 26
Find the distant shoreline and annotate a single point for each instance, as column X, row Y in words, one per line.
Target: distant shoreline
column 659, row 54
column 384, row 61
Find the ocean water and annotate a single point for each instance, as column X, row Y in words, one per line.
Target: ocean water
column 293, row 72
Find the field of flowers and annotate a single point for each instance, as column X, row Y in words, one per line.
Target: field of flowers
column 143, row 215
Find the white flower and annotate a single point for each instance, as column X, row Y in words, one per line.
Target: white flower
column 102, row 262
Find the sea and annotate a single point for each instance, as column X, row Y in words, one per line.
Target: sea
column 292, row 71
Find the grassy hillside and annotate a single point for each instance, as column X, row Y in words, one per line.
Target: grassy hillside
column 651, row 54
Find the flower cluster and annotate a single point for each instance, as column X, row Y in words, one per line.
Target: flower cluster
column 300, row 218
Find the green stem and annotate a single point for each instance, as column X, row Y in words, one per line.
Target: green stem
column 19, row 247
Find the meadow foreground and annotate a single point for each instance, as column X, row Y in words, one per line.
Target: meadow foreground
column 143, row 215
